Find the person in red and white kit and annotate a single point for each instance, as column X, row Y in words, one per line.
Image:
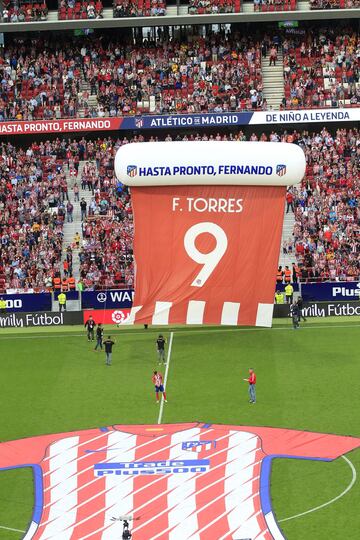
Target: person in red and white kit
column 157, row 379
column 252, row 383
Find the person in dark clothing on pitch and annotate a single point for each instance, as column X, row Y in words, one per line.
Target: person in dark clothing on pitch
column 294, row 314
column 108, row 343
column 300, row 304
column 160, row 347
column 99, row 337
column 90, row 326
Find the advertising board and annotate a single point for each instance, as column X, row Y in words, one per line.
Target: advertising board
column 39, row 319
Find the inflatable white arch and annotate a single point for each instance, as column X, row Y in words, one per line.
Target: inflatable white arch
column 210, row 163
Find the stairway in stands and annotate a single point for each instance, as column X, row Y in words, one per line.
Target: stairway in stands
column 71, row 228
column 287, row 234
column 92, row 101
column 273, row 81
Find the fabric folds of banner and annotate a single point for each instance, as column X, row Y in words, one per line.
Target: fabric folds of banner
column 206, row 254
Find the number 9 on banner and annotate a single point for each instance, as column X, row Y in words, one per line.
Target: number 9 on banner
column 209, row 260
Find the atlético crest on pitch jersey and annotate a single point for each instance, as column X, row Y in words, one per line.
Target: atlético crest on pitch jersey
column 198, row 446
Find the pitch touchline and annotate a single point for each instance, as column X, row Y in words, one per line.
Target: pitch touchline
column 186, row 331
column 166, row 376
column 353, row 480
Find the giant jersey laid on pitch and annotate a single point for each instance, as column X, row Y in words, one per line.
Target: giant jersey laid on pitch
column 183, row 481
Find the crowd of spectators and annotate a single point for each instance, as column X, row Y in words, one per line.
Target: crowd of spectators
column 198, row 74
column 327, row 209
column 34, row 205
column 38, row 81
column 84, row 9
column 200, row 7
column 275, row 5
column 100, row 77
column 139, row 8
column 322, row 69
column 32, row 194
column 334, row 4
column 43, row 79
column 24, row 11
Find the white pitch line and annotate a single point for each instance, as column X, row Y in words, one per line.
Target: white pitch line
column 166, row 376
column 10, row 529
column 353, row 480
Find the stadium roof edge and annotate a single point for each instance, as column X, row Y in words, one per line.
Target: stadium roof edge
column 176, row 20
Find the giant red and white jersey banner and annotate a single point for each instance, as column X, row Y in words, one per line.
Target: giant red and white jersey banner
column 175, row 482
column 196, row 265
column 206, row 254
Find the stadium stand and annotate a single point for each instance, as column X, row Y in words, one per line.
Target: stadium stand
column 322, row 71
column 31, row 216
column 327, row 214
column 139, row 8
column 213, row 74
column 102, row 77
column 275, row 5
column 334, row 4
column 70, row 9
column 24, row 11
column 201, row 7
column 37, row 82
column 33, row 195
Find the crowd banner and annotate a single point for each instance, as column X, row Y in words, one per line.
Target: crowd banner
column 203, row 212
column 39, row 319
column 27, row 302
column 107, row 316
column 110, row 299
column 179, row 121
column 321, row 309
column 331, row 291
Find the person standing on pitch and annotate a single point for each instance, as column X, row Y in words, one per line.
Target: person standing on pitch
column 295, row 315
column 90, row 325
column 157, row 380
column 252, row 383
column 99, row 337
column 108, row 343
column 300, row 304
column 160, row 347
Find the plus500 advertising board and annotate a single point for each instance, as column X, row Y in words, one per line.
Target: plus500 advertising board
column 333, row 290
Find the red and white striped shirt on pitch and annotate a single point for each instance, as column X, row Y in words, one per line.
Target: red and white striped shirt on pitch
column 157, row 379
column 183, row 481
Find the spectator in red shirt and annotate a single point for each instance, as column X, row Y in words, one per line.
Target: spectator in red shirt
column 289, row 202
column 252, row 383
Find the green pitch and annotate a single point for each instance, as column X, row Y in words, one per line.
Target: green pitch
column 52, row 381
